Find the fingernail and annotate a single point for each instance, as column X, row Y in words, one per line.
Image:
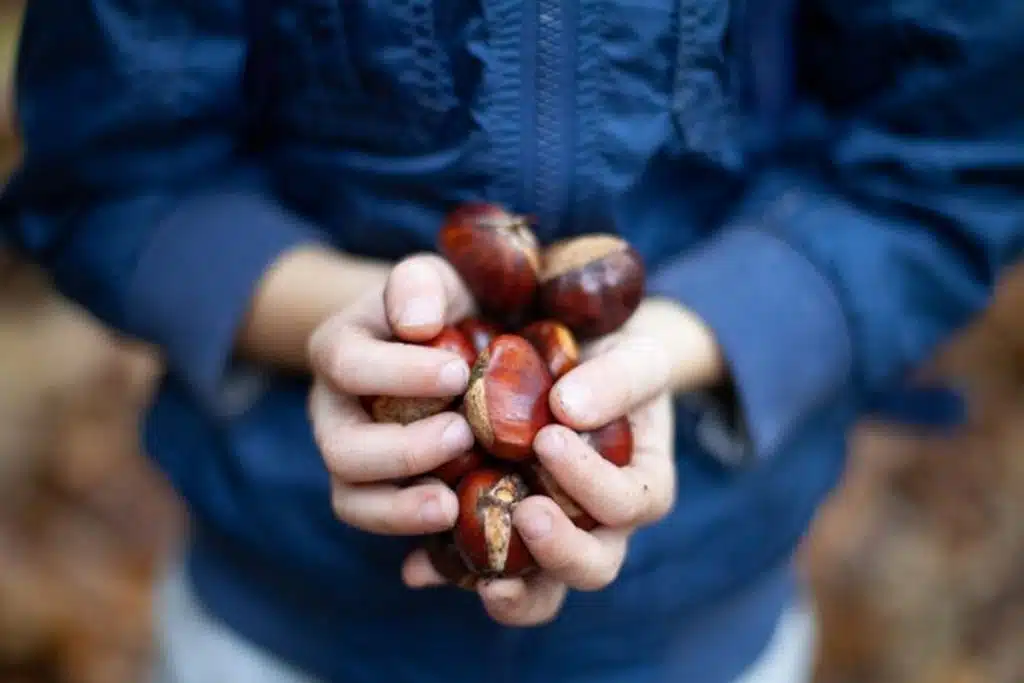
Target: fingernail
column 421, row 311
column 454, row 376
column 432, row 512
column 551, row 442
column 456, row 436
column 573, row 399
column 535, row 525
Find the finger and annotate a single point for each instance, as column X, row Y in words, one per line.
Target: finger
column 359, row 364
column 422, row 294
column 358, row 451
column 583, row 561
column 654, row 456
column 392, row 511
column 365, row 317
column 419, row 572
column 518, row 602
column 638, row 494
column 330, row 410
column 613, row 384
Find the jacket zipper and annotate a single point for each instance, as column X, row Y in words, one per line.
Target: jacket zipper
column 549, row 40
column 547, row 140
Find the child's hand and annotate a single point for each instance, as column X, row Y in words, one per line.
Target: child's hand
column 630, row 373
column 354, row 354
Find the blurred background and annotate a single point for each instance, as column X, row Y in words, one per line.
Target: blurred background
column 84, row 521
column 916, row 564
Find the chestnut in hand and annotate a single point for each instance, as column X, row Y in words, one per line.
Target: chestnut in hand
column 455, row 469
column 496, row 254
column 447, row 560
column 613, row 442
column 480, row 333
column 556, row 345
column 405, row 409
column 591, row 283
column 506, row 403
column 484, row 534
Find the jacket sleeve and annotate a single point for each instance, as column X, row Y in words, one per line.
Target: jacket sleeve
column 134, row 191
column 834, row 279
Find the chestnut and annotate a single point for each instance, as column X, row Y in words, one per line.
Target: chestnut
column 506, row 403
column 496, row 254
column 405, row 409
column 614, row 442
column 480, row 333
column 447, row 560
column 455, row 469
column 591, row 283
column 556, row 345
column 484, row 534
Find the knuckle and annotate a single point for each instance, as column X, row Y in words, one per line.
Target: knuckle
column 599, row 575
column 644, row 498
column 618, row 514
column 345, row 368
column 412, row 456
column 328, row 444
column 625, row 509
column 339, row 504
column 324, row 345
column 332, row 444
column 610, row 514
column 318, row 347
column 637, row 510
column 606, row 574
column 659, row 504
column 666, row 502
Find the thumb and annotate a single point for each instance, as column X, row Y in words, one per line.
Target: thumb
column 423, row 293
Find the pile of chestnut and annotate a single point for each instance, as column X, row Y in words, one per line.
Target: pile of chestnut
column 535, row 305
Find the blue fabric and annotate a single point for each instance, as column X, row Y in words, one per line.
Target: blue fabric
column 834, row 189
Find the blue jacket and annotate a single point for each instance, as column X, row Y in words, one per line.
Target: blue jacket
column 833, row 186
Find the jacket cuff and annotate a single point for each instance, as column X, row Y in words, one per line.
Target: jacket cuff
column 194, row 281
column 779, row 324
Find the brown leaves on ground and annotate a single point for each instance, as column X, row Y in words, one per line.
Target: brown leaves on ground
column 917, row 562
column 85, row 524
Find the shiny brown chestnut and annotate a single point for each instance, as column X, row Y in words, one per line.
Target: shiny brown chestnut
column 455, row 469
column 496, row 254
column 556, row 345
column 480, row 333
column 405, row 409
column 614, row 442
column 506, row 403
column 447, row 560
column 484, row 534
column 591, row 283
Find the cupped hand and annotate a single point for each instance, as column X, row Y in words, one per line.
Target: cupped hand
column 634, row 373
column 361, row 352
